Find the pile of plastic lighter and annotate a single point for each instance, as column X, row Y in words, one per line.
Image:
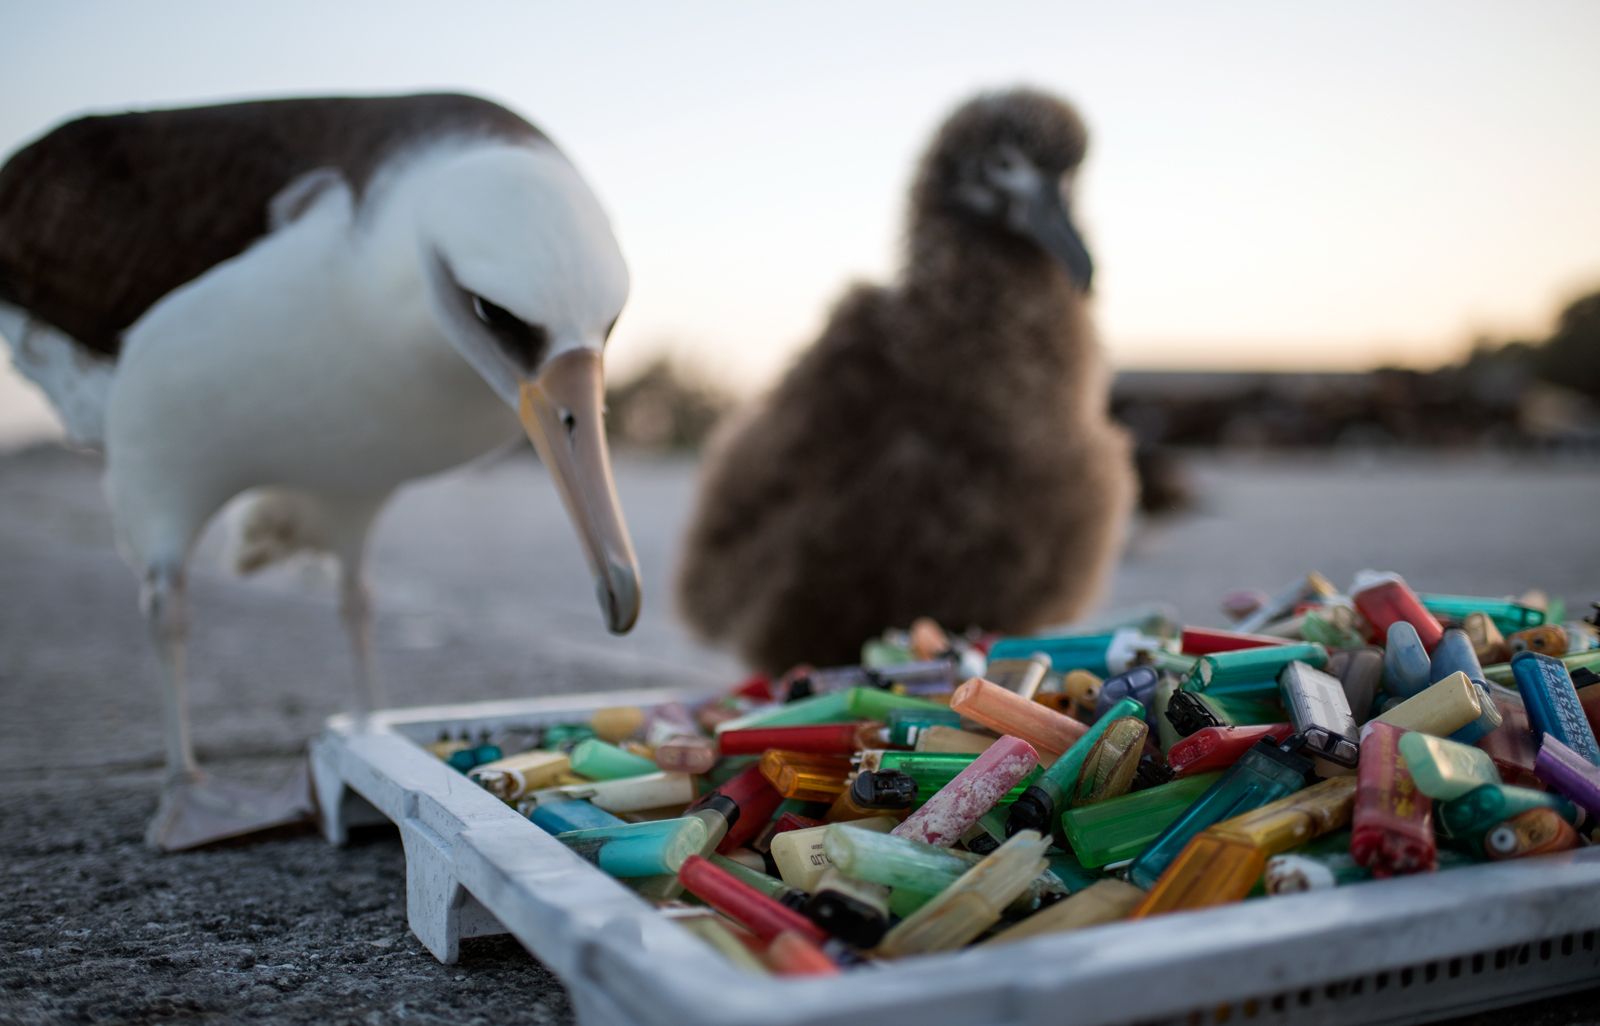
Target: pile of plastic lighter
column 952, row 791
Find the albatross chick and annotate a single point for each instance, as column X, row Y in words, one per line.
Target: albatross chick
column 943, row 449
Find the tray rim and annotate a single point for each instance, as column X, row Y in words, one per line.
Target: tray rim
column 632, row 965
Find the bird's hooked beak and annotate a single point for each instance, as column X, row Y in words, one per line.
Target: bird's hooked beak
column 1038, row 209
column 563, row 412
column 1047, row 219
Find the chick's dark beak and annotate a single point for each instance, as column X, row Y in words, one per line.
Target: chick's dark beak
column 1049, row 222
column 563, row 412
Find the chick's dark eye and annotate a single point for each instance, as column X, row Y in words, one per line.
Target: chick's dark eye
column 524, row 343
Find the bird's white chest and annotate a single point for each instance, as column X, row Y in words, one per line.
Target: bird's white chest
column 311, row 361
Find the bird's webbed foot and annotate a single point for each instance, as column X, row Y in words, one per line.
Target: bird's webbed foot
column 196, row 809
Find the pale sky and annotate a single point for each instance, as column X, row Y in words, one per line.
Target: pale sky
column 1268, row 185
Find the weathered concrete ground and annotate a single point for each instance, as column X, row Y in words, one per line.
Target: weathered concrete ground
column 98, row 929
column 481, row 594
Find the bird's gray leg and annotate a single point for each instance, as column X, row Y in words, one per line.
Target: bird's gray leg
column 196, row 810
column 166, row 609
column 351, row 524
column 355, row 612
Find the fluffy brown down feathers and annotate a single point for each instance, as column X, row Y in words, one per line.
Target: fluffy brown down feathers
column 942, row 450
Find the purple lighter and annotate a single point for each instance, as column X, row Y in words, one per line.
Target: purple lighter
column 1570, row 773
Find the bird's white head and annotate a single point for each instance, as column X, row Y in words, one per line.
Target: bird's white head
column 526, row 281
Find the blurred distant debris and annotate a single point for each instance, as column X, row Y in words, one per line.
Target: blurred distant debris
column 664, row 408
column 1571, row 357
column 1513, row 394
column 1164, row 486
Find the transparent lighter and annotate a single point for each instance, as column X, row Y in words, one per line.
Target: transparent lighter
column 891, row 861
column 1210, row 870
column 972, row 904
column 1222, row 864
column 1320, row 713
column 906, row 725
column 915, row 868
column 811, row 778
column 1265, row 773
column 1022, row 676
column 1121, row 828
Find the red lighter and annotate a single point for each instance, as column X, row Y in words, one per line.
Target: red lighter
column 744, row 904
column 821, row 739
column 1206, row 640
column 1214, row 748
column 1393, row 822
column 1513, row 746
column 1385, row 599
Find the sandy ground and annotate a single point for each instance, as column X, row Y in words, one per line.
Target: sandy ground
column 481, row 593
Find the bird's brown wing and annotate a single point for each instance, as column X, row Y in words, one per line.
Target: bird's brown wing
column 105, row 215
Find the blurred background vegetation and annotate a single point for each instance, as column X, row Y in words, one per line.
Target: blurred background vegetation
column 1504, row 394
column 665, row 408
column 1517, row 394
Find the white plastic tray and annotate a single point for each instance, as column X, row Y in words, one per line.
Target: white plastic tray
column 1399, row 951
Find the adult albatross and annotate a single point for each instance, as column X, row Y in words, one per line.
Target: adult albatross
column 321, row 299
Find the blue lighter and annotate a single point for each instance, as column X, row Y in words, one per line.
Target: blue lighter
column 1552, row 702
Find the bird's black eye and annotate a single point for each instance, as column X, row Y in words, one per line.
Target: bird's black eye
column 525, row 343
